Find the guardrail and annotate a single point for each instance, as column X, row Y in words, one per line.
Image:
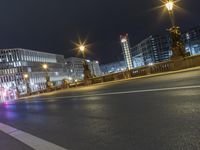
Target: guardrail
column 171, row 65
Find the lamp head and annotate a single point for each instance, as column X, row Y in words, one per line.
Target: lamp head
column 82, row 48
column 26, row 76
column 169, row 5
column 45, row 66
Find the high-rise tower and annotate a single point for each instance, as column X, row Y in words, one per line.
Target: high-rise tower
column 126, row 51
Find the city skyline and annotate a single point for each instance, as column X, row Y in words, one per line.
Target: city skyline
column 54, row 30
column 99, row 75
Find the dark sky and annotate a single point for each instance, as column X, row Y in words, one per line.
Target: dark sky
column 52, row 25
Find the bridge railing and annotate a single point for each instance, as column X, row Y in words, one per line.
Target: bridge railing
column 166, row 66
column 171, row 65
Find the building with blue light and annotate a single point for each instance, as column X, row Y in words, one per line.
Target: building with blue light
column 153, row 49
column 191, row 39
column 113, row 67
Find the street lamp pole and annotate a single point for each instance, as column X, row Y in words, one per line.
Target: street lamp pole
column 170, row 6
column 177, row 45
column 82, row 49
column 45, row 67
column 86, row 70
column 26, row 79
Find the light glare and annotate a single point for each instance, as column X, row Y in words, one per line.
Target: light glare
column 82, row 48
column 25, row 76
column 169, row 5
column 45, row 66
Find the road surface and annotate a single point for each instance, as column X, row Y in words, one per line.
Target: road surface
column 157, row 113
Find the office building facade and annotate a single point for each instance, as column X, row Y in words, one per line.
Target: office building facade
column 191, row 39
column 74, row 68
column 153, row 49
column 14, row 63
column 113, row 67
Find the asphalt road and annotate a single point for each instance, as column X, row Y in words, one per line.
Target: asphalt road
column 157, row 113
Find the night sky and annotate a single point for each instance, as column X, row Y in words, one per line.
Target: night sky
column 53, row 25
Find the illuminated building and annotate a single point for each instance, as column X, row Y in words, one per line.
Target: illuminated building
column 113, row 67
column 74, row 68
column 14, row 63
column 191, row 39
column 156, row 48
column 126, row 51
column 95, row 68
column 153, row 49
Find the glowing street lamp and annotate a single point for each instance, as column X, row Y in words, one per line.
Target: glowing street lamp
column 170, row 7
column 82, row 48
column 86, row 70
column 45, row 67
column 177, row 45
column 26, row 78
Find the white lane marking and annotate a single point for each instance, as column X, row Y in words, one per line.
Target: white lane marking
column 123, row 92
column 28, row 139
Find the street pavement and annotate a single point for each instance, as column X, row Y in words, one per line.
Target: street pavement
column 156, row 113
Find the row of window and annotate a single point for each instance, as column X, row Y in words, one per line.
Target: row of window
column 10, row 71
column 10, row 78
column 10, row 55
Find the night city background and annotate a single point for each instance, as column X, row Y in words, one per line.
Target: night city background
column 53, row 26
column 99, row 75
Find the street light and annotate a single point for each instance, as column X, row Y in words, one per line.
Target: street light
column 170, row 6
column 26, row 78
column 86, row 70
column 45, row 67
column 177, row 45
column 82, row 48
